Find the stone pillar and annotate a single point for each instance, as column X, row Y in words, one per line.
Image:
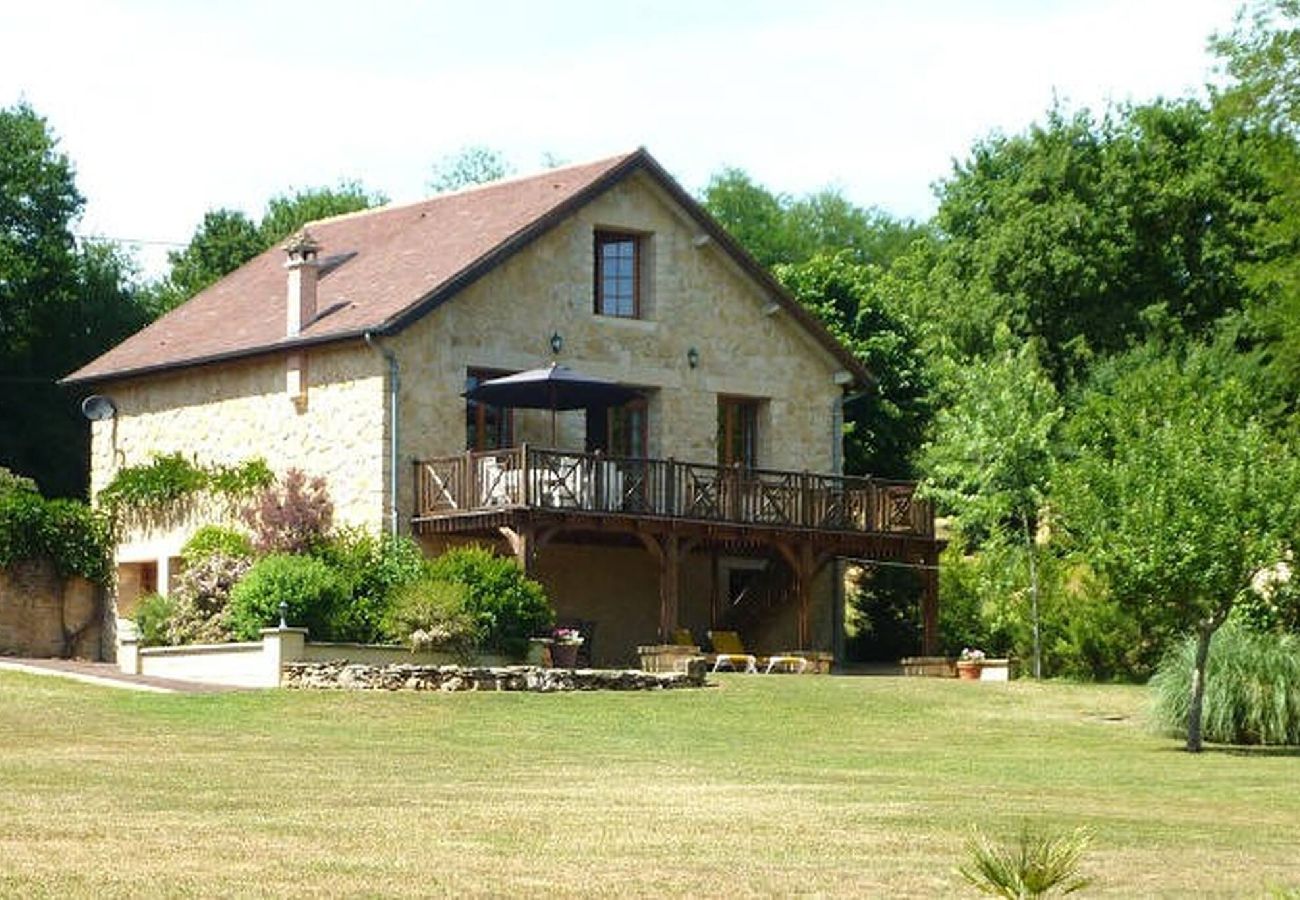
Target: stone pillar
column 128, row 652
column 279, row 646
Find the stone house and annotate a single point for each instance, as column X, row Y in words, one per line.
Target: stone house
column 714, row 499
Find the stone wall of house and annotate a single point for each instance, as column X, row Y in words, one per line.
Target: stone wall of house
column 696, row 297
column 230, row 412
column 37, row 604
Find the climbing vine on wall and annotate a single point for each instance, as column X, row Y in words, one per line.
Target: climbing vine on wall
column 167, row 487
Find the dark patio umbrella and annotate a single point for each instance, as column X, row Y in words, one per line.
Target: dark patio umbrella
column 553, row 387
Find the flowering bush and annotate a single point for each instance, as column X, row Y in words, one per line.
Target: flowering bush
column 291, row 517
column 567, row 636
column 971, row 654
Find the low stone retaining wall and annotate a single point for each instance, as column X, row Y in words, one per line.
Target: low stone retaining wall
column 342, row 675
column 45, row 614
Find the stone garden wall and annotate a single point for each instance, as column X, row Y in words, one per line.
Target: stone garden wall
column 44, row 614
column 341, row 675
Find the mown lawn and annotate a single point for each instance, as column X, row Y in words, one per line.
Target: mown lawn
column 760, row 786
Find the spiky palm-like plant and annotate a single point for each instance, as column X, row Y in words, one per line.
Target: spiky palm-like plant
column 1036, row 865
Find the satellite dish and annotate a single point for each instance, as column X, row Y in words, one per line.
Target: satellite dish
column 97, row 408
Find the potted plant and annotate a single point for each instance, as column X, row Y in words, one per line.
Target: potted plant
column 564, row 647
column 970, row 664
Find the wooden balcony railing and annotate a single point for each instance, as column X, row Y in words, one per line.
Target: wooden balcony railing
column 585, row 482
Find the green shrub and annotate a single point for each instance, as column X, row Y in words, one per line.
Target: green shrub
column 71, row 534
column 374, row 569
column 153, row 615
column 508, row 607
column 312, row 590
column 217, row 540
column 11, row 482
column 428, row 613
column 1252, row 688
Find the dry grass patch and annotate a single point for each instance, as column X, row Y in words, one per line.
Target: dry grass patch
column 761, row 786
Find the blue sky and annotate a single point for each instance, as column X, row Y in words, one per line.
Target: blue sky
column 172, row 108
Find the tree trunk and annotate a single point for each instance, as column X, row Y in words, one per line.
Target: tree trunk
column 1033, row 601
column 1203, row 636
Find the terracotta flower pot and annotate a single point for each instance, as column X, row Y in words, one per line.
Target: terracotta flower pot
column 564, row 656
column 969, row 670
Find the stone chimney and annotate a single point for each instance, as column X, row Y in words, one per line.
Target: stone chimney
column 304, row 271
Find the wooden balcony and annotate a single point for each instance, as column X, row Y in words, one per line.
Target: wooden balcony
column 530, row 478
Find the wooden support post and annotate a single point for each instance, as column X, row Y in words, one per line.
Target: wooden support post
column 670, row 581
column 715, row 589
column 930, row 604
column 807, row 569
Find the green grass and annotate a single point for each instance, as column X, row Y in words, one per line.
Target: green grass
column 761, row 786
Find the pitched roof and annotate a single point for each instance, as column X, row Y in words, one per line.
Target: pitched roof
column 384, row 268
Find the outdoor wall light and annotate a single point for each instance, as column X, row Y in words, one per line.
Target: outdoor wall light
column 284, row 613
column 693, row 358
column 557, row 342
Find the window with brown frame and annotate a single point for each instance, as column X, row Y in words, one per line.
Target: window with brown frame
column 738, row 431
column 486, row 427
column 628, row 430
column 618, row 274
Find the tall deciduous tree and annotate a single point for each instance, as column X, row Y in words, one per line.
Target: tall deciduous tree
column 993, row 454
column 1261, row 56
column 779, row 229
column 226, row 239
column 1069, row 232
column 886, row 424
column 472, row 165
column 60, row 305
column 1179, row 494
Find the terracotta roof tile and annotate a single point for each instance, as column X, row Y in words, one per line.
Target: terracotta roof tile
column 378, row 265
column 383, row 268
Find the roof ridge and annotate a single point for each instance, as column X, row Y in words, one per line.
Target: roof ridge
column 469, row 189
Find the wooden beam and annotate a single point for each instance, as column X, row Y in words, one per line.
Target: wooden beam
column 523, row 544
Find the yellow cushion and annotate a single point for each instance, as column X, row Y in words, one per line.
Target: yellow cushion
column 682, row 637
column 726, row 642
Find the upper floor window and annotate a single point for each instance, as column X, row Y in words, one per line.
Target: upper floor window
column 738, row 432
column 618, row 274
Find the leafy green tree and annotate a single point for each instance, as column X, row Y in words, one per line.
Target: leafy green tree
column 224, row 241
column 1070, row 232
column 1261, row 56
column 61, row 304
column 753, row 215
column 778, row 229
column 475, row 164
column 38, row 203
column 886, row 424
column 993, row 454
column 228, row 238
column 286, row 213
column 1179, row 493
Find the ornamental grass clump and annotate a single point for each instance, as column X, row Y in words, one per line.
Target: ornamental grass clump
column 1252, row 688
column 1035, row 865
